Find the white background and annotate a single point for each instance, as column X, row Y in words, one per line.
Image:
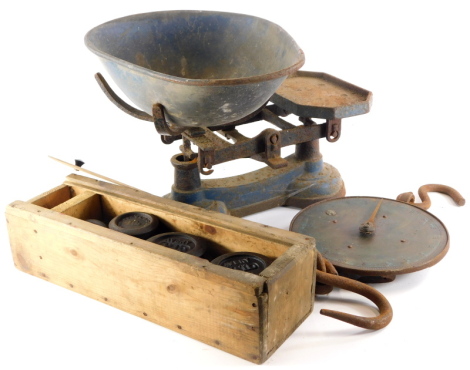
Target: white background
column 413, row 55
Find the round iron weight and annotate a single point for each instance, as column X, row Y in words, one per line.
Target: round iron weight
column 181, row 242
column 139, row 224
column 253, row 263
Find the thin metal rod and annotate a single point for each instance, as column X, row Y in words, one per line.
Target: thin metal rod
column 93, row 173
column 368, row 227
column 374, row 214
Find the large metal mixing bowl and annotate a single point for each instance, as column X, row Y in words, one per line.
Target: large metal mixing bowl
column 205, row 68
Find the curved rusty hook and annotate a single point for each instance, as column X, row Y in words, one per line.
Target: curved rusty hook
column 423, row 194
column 325, row 266
column 373, row 323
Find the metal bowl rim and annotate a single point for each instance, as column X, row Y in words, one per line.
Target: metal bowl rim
column 195, row 82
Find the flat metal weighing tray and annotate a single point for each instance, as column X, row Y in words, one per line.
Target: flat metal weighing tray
column 320, row 95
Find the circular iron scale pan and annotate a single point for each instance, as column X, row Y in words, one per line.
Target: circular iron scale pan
column 406, row 238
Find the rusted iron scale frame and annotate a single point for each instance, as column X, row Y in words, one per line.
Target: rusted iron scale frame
column 265, row 146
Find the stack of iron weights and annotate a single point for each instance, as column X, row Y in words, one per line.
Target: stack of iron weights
column 147, row 226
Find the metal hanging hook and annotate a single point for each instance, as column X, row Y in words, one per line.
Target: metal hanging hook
column 426, row 201
column 325, row 266
column 373, row 323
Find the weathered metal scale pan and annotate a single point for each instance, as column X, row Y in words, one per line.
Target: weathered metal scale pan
column 205, row 68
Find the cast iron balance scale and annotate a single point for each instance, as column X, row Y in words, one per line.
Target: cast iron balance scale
column 198, row 76
column 219, row 75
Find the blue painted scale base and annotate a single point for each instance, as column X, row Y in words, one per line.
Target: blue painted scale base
column 299, row 184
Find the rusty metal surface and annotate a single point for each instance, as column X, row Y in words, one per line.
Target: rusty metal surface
column 405, row 238
column 320, row 95
column 327, row 278
column 333, row 130
column 212, row 149
column 264, row 147
column 180, row 59
column 325, row 266
column 373, row 323
column 426, row 201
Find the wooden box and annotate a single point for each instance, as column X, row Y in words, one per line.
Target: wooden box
column 244, row 314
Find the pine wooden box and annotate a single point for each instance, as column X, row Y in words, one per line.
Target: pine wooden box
column 244, row 314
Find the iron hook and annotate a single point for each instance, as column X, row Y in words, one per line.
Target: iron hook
column 426, row 201
column 325, row 266
column 373, row 323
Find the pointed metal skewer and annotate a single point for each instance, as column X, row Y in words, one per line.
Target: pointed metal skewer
column 78, row 168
